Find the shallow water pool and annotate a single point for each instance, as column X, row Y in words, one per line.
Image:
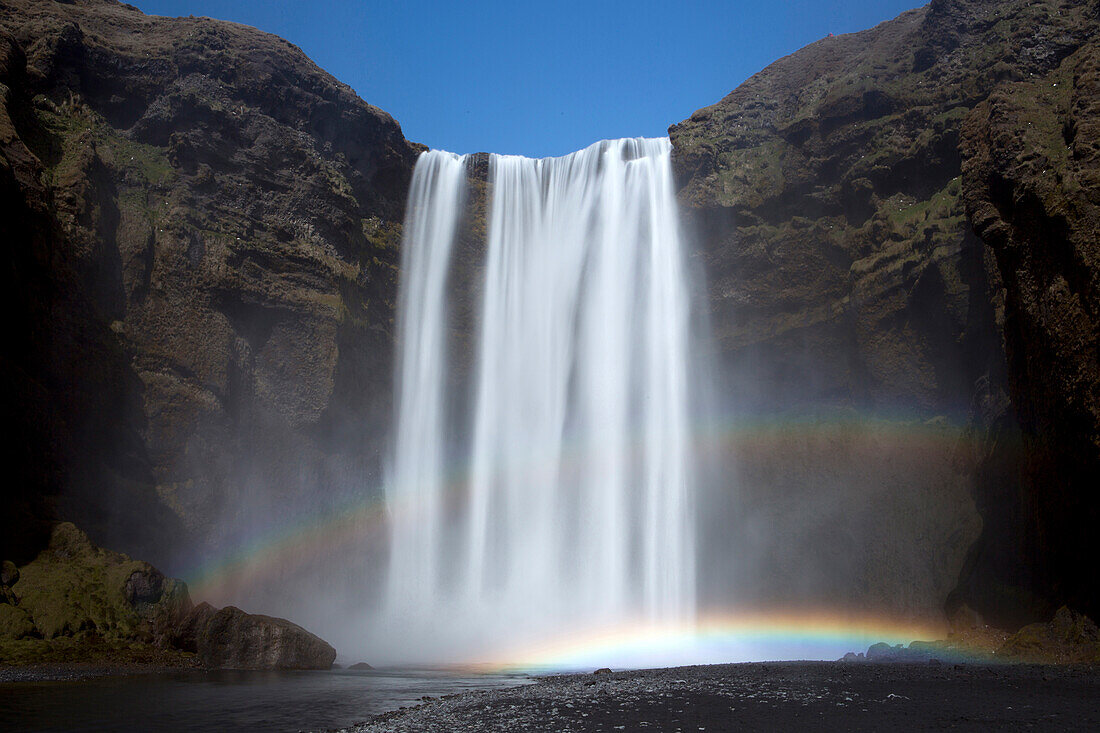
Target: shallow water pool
column 227, row 700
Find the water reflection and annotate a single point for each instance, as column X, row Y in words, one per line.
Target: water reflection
column 227, row 700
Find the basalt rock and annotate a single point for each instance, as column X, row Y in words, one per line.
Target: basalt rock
column 232, row 639
column 897, row 228
column 1031, row 186
column 201, row 277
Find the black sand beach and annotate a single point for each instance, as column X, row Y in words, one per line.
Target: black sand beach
column 776, row 696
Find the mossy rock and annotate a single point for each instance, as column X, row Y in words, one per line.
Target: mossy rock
column 9, row 573
column 15, row 623
column 74, row 587
column 1068, row 637
column 90, row 649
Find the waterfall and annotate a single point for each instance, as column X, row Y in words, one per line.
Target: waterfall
column 560, row 494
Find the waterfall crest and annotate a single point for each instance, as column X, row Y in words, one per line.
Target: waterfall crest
column 563, row 499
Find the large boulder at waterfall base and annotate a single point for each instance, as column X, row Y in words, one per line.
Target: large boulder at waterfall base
column 233, row 639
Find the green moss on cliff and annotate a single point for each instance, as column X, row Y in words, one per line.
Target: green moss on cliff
column 62, row 130
column 74, row 587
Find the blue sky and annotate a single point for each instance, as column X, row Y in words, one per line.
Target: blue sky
column 541, row 78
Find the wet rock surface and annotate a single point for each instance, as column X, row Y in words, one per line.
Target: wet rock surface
column 775, row 696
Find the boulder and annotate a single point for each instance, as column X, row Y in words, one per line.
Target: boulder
column 9, row 574
column 232, row 639
column 74, row 586
column 883, row 652
column 15, row 623
column 1067, row 638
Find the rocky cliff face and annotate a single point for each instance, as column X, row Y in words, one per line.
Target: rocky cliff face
column 1031, row 186
column 897, row 227
column 201, row 301
column 837, row 194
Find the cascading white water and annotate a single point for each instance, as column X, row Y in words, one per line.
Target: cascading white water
column 567, row 504
column 415, row 493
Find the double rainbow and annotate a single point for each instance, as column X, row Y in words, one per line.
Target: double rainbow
column 715, row 637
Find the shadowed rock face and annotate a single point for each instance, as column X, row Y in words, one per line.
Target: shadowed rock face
column 832, row 196
column 203, row 291
column 1032, row 188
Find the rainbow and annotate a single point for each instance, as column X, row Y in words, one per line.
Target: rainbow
column 311, row 539
column 725, row 636
column 716, row 638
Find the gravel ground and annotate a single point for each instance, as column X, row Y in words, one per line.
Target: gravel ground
column 775, row 696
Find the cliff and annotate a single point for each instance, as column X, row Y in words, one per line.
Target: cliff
column 201, row 299
column 897, row 229
column 900, row 223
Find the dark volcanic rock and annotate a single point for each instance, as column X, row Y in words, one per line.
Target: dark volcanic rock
column 232, row 639
column 844, row 273
column 1069, row 637
column 1032, row 187
column 202, row 275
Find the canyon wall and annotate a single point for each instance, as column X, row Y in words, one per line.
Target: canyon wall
column 890, row 245
column 202, row 232
column 897, row 229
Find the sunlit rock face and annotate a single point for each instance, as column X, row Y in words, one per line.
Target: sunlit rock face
column 851, row 301
column 205, row 284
